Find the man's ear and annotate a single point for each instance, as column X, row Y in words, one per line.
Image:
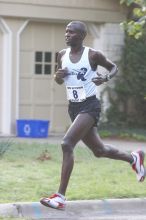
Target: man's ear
column 83, row 35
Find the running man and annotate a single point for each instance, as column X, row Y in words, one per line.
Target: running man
column 77, row 69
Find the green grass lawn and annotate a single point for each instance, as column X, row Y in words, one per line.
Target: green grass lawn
column 9, row 218
column 31, row 171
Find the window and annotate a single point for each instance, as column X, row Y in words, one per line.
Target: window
column 48, row 56
column 39, row 57
column 56, row 55
column 43, row 62
column 38, row 68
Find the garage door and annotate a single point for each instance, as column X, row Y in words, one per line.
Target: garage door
column 40, row 97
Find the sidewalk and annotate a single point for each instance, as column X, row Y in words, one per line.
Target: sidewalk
column 113, row 209
column 124, row 145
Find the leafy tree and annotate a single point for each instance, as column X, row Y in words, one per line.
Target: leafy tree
column 128, row 101
column 128, row 104
column 136, row 19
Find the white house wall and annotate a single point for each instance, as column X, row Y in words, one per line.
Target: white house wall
column 109, row 38
column 93, row 10
column 39, row 25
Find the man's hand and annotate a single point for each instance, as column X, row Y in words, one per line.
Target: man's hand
column 100, row 79
column 60, row 74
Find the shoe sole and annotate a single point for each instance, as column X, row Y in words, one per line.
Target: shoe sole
column 47, row 205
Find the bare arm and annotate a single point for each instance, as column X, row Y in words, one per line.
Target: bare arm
column 98, row 59
column 60, row 73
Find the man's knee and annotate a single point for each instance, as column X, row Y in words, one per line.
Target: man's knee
column 67, row 145
column 99, row 152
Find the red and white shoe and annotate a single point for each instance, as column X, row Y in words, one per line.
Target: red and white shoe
column 55, row 201
column 138, row 165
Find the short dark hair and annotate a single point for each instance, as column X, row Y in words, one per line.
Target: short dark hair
column 80, row 26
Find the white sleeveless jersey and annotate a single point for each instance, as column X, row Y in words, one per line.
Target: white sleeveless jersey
column 78, row 82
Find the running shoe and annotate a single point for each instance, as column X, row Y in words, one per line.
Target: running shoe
column 55, row 201
column 138, row 165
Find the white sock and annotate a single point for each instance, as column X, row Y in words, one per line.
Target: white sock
column 62, row 196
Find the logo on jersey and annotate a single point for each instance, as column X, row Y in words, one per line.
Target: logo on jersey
column 81, row 73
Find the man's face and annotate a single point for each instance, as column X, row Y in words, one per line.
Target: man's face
column 73, row 35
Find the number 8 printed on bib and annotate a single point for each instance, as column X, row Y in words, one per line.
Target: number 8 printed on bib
column 76, row 93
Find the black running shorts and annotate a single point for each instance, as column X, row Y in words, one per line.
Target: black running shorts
column 91, row 106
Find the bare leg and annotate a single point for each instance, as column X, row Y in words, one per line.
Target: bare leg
column 93, row 141
column 79, row 128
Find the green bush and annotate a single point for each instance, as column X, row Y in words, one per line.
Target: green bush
column 128, row 104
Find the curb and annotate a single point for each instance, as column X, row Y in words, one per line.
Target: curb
column 79, row 210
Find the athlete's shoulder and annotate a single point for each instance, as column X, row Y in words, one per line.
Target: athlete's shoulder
column 96, row 57
column 62, row 52
column 97, row 53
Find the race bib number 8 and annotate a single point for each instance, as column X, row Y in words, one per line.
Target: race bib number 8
column 76, row 93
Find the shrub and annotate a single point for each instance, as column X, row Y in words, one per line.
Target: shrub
column 128, row 105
